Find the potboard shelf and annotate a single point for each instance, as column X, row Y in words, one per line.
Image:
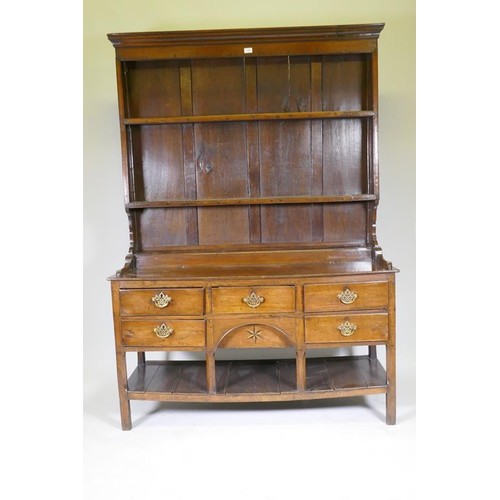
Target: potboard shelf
column 259, row 380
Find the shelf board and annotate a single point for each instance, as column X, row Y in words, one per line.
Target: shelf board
column 303, row 115
column 276, row 200
column 261, row 380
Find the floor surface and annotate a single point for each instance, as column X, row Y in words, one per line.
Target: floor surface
column 337, row 449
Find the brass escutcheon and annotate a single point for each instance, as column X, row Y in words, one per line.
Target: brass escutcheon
column 253, row 300
column 163, row 331
column 161, row 300
column 347, row 297
column 347, row 329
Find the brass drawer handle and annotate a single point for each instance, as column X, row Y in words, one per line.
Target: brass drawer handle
column 163, row 331
column 253, row 300
column 347, row 297
column 161, row 300
column 347, row 329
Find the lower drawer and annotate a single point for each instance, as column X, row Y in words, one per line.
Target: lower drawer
column 164, row 332
column 346, row 328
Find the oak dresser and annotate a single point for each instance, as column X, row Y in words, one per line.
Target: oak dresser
column 250, row 170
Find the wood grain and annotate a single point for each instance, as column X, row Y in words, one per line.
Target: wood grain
column 260, row 379
column 250, row 166
column 230, row 299
column 344, row 82
column 248, row 117
column 325, row 297
column 187, row 333
column 184, row 301
column 153, row 88
column 324, row 329
column 269, row 200
column 254, row 332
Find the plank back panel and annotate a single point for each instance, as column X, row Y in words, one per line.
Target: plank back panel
column 344, row 156
column 286, row 224
column 223, row 225
column 161, row 227
column 221, row 160
column 345, row 223
column 283, row 84
column 345, row 82
column 222, row 171
column 157, row 156
column 153, row 89
column 286, row 170
column 218, row 86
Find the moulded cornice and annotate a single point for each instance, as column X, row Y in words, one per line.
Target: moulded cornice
column 290, row 34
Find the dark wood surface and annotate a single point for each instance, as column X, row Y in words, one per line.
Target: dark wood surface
column 250, row 167
column 148, row 46
column 278, row 271
column 249, row 117
column 233, row 137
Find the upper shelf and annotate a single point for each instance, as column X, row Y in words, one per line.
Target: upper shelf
column 304, row 115
column 276, row 200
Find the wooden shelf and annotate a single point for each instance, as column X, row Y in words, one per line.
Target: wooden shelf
column 279, row 200
column 304, row 115
column 262, row 380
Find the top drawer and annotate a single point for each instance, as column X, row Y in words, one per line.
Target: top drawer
column 162, row 301
column 346, row 296
column 261, row 299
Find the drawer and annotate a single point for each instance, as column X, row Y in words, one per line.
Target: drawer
column 262, row 299
column 164, row 332
column 346, row 328
column 162, row 301
column 254, row 332
column 346, row 296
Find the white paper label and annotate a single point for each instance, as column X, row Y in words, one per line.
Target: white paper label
column 247, row 50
